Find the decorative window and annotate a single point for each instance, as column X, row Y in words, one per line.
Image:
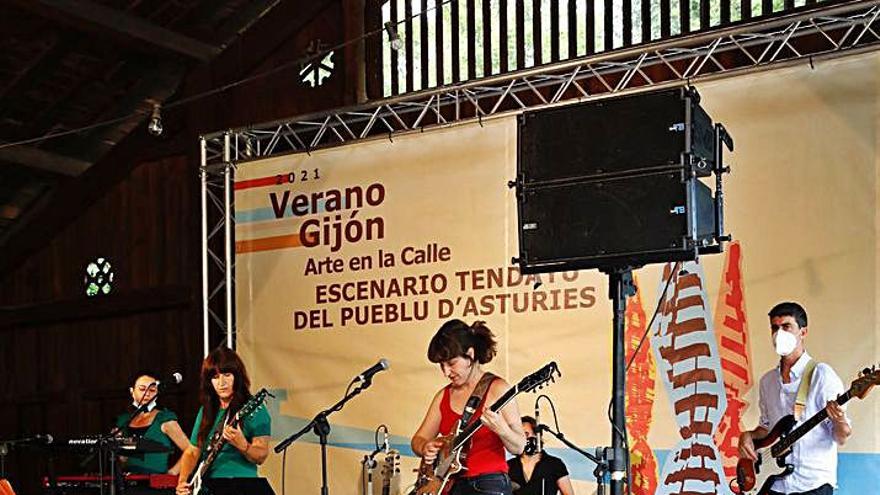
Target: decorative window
column 314, row 73
column 99, row 277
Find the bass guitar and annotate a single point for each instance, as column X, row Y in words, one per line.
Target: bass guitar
column 775, row 447
column 217, row 442
column 434, row 478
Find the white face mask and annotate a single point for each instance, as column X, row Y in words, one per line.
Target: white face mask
column 784, row 342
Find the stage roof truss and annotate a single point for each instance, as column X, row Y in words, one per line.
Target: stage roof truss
column 827, row 31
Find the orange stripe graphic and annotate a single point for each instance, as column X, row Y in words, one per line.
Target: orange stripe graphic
column 268, row 243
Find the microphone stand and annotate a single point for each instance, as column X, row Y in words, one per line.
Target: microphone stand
column 321, row 427
column 600, row 458
column 4, row 451
column 109, row 445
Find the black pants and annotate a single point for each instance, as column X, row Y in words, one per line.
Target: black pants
column 485, row 484
column 822, row 490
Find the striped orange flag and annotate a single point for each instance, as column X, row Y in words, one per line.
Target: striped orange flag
column 732, row 332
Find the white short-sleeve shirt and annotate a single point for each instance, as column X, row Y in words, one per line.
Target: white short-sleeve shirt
column 814, row 456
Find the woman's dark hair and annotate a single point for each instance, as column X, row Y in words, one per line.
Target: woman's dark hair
column 531, row 421
column 455, row 337
column 221, row 360
column 142, row 372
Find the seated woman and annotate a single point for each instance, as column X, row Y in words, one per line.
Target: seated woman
column 154, row 423
column 225, row 388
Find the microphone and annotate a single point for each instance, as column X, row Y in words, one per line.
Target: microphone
column 175, row 379
column 367, row 376
column 385, row 446
column 36, row 440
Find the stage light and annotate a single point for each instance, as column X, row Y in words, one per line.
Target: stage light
column 393, row 36
column 155, row 124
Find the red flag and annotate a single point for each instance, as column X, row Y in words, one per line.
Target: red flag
column 732, row 332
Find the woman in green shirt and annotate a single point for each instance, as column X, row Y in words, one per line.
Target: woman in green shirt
column 155, row 423
column 225, row 388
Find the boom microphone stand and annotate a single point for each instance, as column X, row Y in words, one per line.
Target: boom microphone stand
column 321, row 427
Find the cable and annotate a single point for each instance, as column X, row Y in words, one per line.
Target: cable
column 220, row 89
column 381, row 427
column 660, row 301
column 552, row 408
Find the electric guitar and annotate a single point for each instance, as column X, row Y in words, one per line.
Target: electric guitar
column 434, row 477
column 217, row 442
column 776, row 446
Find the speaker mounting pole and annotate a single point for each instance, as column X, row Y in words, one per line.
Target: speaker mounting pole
column 620, row 287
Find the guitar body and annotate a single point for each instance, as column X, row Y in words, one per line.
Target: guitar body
column 198, row 488
column 217, row 442
column 761, row 474
column 435, row 478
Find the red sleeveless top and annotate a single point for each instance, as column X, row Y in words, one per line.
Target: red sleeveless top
column 486, row 454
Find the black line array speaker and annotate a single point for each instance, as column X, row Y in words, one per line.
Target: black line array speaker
column 616, row 183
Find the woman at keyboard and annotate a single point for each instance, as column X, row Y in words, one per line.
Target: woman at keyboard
column 152, row 423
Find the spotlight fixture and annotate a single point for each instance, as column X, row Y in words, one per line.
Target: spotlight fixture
column 393, row 36
column 155, row 124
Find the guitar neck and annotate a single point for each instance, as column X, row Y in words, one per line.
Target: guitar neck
column 786, row 443
column 214, row 448
column 476, row 424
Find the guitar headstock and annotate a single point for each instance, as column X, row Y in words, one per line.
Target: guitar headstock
column 865, row 382
column 390, row 466
column 253, row 403
column 539, row 378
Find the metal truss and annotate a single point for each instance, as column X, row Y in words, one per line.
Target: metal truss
column 218, row 248
column 822, row 32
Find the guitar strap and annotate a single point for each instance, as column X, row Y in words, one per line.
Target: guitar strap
column 476, row 397
column 800, row 402
column 471, row 406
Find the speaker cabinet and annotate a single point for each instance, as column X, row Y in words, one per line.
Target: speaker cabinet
column 616, row 183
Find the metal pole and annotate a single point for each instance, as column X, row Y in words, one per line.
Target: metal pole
column 620, row 287
column 228, row 247
column 203, row 174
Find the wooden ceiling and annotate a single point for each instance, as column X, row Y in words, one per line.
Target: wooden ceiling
column 71, row 64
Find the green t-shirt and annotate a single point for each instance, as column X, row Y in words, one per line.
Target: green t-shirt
column 231, row 463
column 150, row 463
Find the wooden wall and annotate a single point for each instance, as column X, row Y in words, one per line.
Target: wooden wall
column 65, row 359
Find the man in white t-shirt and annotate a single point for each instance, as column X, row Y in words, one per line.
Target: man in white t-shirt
column 814, row 456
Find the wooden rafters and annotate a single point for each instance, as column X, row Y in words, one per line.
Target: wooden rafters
column 74, row 12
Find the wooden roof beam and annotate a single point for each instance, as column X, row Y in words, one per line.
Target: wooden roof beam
column 125, row 24
column 44, row 160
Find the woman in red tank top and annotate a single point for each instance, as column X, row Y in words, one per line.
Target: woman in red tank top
column 461, row 350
